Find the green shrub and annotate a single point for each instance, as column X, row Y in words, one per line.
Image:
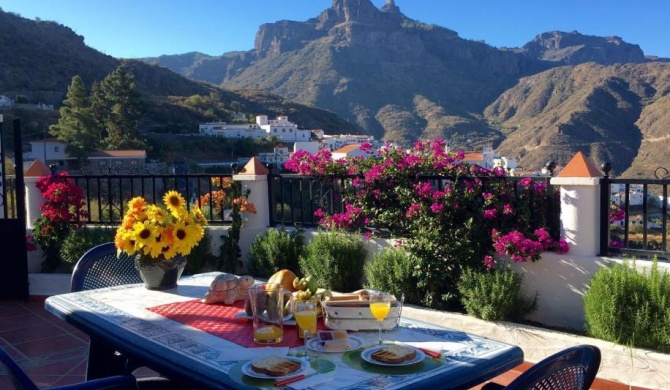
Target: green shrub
column 201, row 256
column 494, row 295
column 275, row 250
column 629, row 307
column 335, row 259
column 391, row 270
column 78, row 241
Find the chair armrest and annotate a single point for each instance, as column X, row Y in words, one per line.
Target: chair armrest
column 122, row 382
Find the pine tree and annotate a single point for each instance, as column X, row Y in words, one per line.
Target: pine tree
column 122, row 107
column 75, row 125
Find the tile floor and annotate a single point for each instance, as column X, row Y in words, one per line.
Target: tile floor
column 53, row 353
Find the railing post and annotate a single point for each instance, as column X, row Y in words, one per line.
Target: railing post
column 580, row 212
column 254, row 177
column 605, row 195
column 34, row 197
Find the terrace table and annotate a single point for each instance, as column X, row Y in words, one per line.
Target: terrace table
column 117, row 317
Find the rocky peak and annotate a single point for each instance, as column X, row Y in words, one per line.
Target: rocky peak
column 390, row 7
column 575, row 48
column 355, row 10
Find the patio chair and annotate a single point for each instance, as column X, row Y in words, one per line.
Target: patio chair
column 573, row 368
column 100, row 267
column 21, row 381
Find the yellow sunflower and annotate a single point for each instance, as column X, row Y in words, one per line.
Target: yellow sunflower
column 174, row 201
column 145, row 234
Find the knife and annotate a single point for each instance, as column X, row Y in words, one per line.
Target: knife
column 286, row 381
column 430, row 353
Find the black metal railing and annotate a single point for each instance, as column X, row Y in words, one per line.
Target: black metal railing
column 8, row 198
column 634, row 216
column 106, row 196
column 293, row 199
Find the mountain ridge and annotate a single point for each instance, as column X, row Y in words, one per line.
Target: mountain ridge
column 401, row 80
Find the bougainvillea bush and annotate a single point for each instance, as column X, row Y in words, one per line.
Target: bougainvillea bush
column 62, row 212
column 450, row 215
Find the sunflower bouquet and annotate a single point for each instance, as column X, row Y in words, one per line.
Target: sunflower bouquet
column 159, row 233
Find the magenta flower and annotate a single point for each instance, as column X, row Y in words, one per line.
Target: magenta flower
column 490, row 213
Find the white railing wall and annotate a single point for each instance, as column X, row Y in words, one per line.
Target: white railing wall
column 559, row 280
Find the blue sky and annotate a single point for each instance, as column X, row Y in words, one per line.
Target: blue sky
column 144, row 28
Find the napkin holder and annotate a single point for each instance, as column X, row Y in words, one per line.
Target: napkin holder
column 352, row 312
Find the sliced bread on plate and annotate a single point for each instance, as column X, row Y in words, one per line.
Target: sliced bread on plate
column 394, row 354
column 275, row 366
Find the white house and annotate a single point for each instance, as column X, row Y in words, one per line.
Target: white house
column 5, row 102
column 119, row 159
column 279, row 156
column 50, row 150
column 483, row 159
column 227, row 130
column 283, row 129
column 334, row 142
column 353, row 150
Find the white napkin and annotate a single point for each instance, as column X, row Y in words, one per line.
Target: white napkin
column 437, row 346
column 312, row 380
column 237, row 353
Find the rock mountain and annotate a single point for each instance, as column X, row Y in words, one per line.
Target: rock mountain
column 403, row 80
column 39, row 59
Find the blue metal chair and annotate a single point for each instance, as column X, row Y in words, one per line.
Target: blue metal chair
column 20, row 380
column 573, row 368
column 100, row 267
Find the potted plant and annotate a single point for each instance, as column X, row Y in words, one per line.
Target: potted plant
column 160, row 238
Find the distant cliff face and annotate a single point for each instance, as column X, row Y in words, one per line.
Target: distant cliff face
column 574, row 48
column 403, row 80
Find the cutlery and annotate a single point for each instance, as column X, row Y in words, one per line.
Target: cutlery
column 284, row 382
column 430, row 353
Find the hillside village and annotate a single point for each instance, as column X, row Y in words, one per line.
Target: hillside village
column 290, row 137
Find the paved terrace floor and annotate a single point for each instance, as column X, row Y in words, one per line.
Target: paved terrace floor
column 53, row 353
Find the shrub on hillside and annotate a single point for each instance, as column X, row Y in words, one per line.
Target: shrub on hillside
column 629, row 307
column 335, row 259
column 275, row 250
column 494, row 295
column 391, row 270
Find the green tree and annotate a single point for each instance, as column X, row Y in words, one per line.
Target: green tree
column 76, row 124
column 121, row 103
column 99, row 111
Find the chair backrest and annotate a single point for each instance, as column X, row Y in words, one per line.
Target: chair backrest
column 16, row 375
column 573, row 368
column 100, row 267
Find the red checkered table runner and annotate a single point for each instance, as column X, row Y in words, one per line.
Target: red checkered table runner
column 219, row 320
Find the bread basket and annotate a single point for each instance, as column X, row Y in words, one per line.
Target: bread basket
column 352, row 312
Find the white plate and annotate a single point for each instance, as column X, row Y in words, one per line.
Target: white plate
column 315, row 345
column 247, row 370
column 366, row 355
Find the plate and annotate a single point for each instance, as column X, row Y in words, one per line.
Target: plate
column 366, row 355
column 315, row 345
column 246, row 369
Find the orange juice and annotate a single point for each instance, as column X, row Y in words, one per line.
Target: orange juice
column 306, row 320
column 380, row 309
column 269, row 334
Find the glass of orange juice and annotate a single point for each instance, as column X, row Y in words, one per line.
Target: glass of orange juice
column 304, row 313
column 380, row 305
column 267, row 306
